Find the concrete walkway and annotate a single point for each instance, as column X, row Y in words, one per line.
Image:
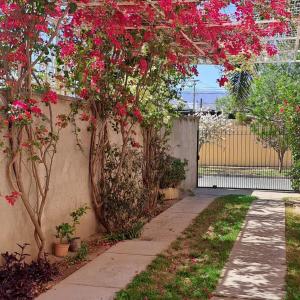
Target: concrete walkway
column 113, row 270
column 257, row 266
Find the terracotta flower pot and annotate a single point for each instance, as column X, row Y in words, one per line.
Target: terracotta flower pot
column 61, row 250
column 75, row 244
column 170, row 193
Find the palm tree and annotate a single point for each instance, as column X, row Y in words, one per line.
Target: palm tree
column 240, row 82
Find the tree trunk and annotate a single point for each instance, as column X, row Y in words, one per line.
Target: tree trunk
column 281, row 159
column 99, row 142
column 150, row 166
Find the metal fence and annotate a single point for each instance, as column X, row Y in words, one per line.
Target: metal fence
column 239, row 158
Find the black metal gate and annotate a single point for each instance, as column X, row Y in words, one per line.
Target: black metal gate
column 238, row 158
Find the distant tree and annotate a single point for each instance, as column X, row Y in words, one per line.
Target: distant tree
column 212, row 127
column 268, row 123
column 226, row 104
column 290, row 109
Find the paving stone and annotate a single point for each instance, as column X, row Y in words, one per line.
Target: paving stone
column 257, row 266
column 110, row 270
column 79, row 292
column 139, row 247
column 167, row 227
column 190, row 205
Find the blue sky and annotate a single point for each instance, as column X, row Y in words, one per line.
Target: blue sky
column 208, row 75
column 207, row 88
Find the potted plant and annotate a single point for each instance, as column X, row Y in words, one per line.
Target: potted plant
column 172, row 175
column 64, row 232
column 76, row 215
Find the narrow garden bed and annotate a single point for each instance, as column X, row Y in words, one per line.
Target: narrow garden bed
column 95, row 246
column 293, row 249
column 20, row 280
column 191, row 267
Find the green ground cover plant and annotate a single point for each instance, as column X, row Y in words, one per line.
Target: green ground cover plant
column 293, row 249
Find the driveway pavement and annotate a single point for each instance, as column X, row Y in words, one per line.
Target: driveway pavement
column 245, row 182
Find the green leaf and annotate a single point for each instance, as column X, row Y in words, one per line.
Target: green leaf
column 72, row 7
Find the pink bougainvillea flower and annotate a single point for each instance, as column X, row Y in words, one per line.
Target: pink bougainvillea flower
column 271, row 49
column 137, row 113
column 36, row 110
column 12, row 198
column 41, row 27
column 223, row 80
column 228, row 66
column 12, row 118
column 97, row 41
column 32, row 101
column 98, row 64
column 27, row 115
column 166, row 5
column 143, row 65
column 50, row 97
column 121, row 109
column 20, row 104
column 172, row 58
column 148, row 35
column 84, row 93
column 67, row 49
column 194, row 71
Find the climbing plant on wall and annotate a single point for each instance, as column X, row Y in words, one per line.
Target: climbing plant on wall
column 30, row 129
column 110, row 52
column 114, row 52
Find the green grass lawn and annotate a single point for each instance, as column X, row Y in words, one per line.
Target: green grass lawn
column 191, row 267
column 231, row 171
column 293, row 252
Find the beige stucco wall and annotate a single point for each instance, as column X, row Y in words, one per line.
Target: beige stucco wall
column 68, row 190
column 69, row 186
column 240, row 148
column 183, row 144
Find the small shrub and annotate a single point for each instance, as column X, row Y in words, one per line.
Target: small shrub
column 295, row 176
column 174, row 172
column 80, row 255
column 122, row 192
column 78, row 213
column 20, row 280
column 64, row 232
column 242, row 118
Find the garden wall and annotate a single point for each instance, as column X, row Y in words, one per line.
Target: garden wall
column 240, row 148
column 183, row 144
column 70, row 188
